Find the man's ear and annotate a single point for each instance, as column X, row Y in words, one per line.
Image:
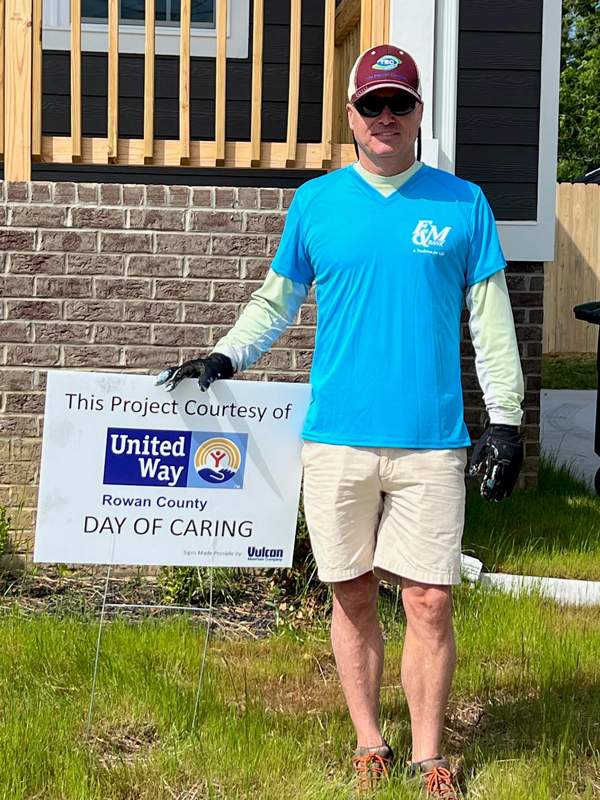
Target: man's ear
column 350, row 110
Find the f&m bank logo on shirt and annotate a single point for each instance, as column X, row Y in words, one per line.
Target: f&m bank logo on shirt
column 427, row 235
column 202, row 459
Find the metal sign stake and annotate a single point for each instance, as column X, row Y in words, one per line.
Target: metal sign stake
column 89, row 724
column 106, row 605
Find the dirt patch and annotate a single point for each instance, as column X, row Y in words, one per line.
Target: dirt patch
column 309, row 685
column 463, row 723
column 319, row 691
column 80, row 591
column 125, row 744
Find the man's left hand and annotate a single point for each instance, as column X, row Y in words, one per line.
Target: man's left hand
column 500, row 451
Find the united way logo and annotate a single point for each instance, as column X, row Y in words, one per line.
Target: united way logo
column 175, row 459
column 136, row 457
column 426, row 234
column 387, row 63
column 218, row 461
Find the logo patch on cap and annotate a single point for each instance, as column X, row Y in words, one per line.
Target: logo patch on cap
column 387, row 63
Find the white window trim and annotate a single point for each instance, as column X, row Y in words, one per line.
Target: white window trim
column 429, row 31
column 534, row 241
column 94, row 36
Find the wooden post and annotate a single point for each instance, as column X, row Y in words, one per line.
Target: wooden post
column 221, row 83
column 113, row 79
column 76, row 81
column 184, row 82
column 36, row 87
column 257, row 67
column 17, row 92
column 347, row 16
column 294, row 89
column 2, row 74
column 328, row 77
column 149, row 59
column 379, row 22
column 386, row 20
column 366, row 24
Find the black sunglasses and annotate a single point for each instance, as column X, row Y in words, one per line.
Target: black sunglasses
column 371, row 105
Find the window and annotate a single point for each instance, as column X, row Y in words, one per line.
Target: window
column 168, row 12
column 94, row 26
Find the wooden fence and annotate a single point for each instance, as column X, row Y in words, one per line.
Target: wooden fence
column 574, row 275
column 352, row 26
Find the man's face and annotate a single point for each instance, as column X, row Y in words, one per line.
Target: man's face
column 385, row 135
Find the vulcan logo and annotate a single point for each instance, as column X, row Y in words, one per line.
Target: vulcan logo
column 264, row 554
column 426, row 234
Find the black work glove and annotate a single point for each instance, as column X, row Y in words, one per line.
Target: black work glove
column 500, row 449
column 207, row 370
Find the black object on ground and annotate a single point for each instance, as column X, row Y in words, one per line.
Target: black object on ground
column 590, row 312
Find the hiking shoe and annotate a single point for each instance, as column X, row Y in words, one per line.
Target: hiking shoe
column 372, row 767
column 436, row 778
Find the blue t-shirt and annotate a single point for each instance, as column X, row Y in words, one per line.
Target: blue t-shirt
column 390, row 276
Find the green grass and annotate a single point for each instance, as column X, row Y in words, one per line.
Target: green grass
column 272, row 724
column 553, row 531
column 524, row 719
column 569, row 371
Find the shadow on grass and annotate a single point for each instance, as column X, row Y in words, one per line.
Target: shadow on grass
column 558, row 725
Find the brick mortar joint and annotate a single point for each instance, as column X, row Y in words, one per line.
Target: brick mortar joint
column 97, row 194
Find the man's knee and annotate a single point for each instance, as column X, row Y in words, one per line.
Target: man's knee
column 428, row 607
column 358, row 595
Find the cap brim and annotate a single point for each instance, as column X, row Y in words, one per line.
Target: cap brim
column 372, row 87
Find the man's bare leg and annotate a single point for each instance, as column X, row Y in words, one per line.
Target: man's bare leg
column 358, row 647
column 428, row 663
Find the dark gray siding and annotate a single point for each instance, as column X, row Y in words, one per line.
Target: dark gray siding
column 499, row 62
column 56, row 87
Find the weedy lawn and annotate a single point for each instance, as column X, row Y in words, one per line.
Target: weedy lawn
column 524, row 719
column 553, row 531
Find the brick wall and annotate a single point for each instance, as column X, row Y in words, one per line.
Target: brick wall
column 124, row 277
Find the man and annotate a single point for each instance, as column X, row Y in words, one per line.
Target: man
column 393, row 247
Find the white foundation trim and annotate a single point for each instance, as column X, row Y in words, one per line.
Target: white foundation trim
column 568, row 592
column 563, row 590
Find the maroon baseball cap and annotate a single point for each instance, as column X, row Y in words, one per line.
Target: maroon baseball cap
column 384, row 67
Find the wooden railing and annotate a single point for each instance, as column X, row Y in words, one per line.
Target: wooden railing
column 351, row 27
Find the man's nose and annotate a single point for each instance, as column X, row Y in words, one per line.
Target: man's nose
column 386, row 116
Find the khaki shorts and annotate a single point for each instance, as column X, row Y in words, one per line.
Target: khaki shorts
column 394, row 511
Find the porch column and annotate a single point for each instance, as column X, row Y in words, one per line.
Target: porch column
column 18, row 88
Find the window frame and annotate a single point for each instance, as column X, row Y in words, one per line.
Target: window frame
column 158, row 23
column 56, row 33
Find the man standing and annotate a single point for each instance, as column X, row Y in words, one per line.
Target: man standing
column 393, row 247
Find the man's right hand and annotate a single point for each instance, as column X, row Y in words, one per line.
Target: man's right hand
column 207, row 370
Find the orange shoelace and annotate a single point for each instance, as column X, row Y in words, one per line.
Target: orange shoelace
column 370, row 769
column 440, row 783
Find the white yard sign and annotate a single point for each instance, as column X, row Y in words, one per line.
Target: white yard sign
column 134, row 475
